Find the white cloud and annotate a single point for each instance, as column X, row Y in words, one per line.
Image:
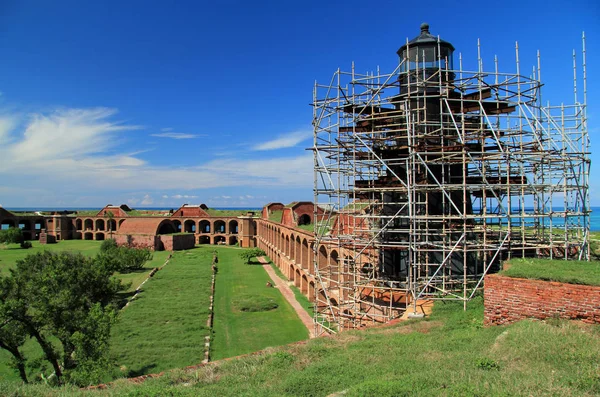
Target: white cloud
column 290, row 139
column 175, row 135
column 180, row 196
column 165, row 196
column 147, row 200
column 79, row 151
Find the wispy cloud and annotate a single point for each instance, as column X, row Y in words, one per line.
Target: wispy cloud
column 290, row 139
column 175, row 135
column 79, row 149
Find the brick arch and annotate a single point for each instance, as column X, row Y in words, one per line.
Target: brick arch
column 166, row 227
column 88, row 224
column 305, row 254
column 233, row 226
column 219, row 226
column 292, row 247
column 334, row 268
column 189, row 226
column 177, row 224
column 304, row 288
column 297, row 248
column 78, row 224
column 204, row 226
column 322, row 257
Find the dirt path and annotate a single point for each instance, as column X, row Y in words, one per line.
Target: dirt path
column 288, row 294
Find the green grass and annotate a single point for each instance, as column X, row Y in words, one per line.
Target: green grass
column 275, row 216
column 9, row 254
column 165, row 326
column 310, row 227
column 574, row 272
column 448, row 354
column 213, row 212
column 238, row 332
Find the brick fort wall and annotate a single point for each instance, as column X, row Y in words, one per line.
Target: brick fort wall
column 510, row 299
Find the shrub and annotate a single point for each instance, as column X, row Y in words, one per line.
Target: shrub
column 108, row 245
column 26, row 244
column 250, row 303
column 248, row 254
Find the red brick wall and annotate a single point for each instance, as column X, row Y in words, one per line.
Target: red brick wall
column 138, row 240
column 512, row 299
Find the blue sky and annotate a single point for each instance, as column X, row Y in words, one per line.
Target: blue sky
column 163, row 103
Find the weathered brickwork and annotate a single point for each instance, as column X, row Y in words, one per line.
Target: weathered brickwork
column 512, row 299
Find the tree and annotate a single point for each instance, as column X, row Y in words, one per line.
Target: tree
column 248, row 254
column 123, row 259
column 64, row 297
column 12, row 235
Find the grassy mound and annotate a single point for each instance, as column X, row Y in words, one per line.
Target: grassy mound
column 573, row 272
column 447, row 354
column 253, row 303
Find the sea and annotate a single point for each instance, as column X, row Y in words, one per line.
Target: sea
column 594, row 216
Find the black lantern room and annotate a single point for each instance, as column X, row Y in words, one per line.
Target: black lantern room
column 421, row 58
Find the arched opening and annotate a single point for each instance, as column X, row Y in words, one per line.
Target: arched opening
column 311, row 291
column 121, row 222
column 233, row 240
column 334, row 266
column 7, row 224
column 233, row 227
column 322, row 258
column 189, row 226
column 88, row 236
column 99, row 224
column 166, row 227
column 219, row 227
column 177, row 226
column 204, row 226
column 78, row 224
column 304, row 288
column 99, row 236
column 112, row 225
column 219, row 240
column 286, row 249
column 292, row 273
column 298, row 251
column 292, row 247
column 88, row 224
column 25, row 224
column 304, row 220
column 203, row 240
column 27, row 236
column 305, row 255
column 297, row 278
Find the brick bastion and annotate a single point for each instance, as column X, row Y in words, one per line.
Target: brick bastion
column 509, row 299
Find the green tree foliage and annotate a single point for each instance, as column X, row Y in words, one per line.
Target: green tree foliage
column 67, row 303
column 123, row 259
column 249, row 254
column 12, row 235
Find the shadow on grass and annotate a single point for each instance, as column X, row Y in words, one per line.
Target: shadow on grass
column 142, row 371
column 123, row 298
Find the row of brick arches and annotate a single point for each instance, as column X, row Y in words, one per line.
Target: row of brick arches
column 90, row 225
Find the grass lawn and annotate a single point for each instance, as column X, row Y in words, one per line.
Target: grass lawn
column 9, row 254
column 574, row 272
column 447, row 354
column 238, row 332
column 165, row 326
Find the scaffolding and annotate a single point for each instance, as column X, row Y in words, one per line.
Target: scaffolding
column 427, row 177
